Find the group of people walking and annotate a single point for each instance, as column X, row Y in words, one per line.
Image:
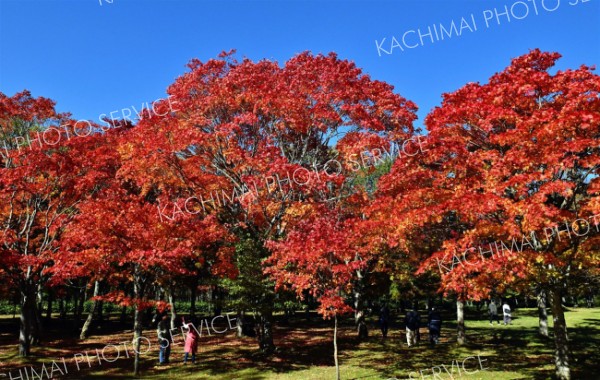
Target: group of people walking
column 493, row 310
column 191, row 340
column 412, row 321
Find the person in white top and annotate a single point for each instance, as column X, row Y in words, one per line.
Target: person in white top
column 506, row 312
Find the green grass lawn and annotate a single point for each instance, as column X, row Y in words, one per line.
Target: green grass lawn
column 306, row 352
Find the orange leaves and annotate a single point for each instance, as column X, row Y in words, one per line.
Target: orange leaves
column 517, row 154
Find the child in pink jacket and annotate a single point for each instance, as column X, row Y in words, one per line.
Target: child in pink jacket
column 191, row 341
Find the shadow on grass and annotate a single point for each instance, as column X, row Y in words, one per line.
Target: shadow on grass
column 303, row 345
column 506, row 348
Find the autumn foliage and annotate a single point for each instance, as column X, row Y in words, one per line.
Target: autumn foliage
column 248, row 156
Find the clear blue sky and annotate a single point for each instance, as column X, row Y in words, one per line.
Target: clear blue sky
column 93, row 59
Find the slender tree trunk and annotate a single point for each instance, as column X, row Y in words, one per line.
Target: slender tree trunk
column 460, row 321
column 26, row 320
column 542, row 313
column 90, row 318
column 40, row 301
column 76, row 304
column 82, row 299
column 335, row 349
column 173, row 311
column 137, row 333
column 137, row 327
column 49, row 306
column 79, row 299
column 123, row 318
column 217, row 301
column 239, row 323
column 209, row 297
column 561, row 355
column 193, row 296
column 36, row 330
column 361, row 326
column 100, row 312
column 62, row 313
column 429, row 303
column 359, row 314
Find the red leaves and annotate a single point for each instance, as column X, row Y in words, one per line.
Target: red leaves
column 505, row 158
column 22, row 106
column 319, row 255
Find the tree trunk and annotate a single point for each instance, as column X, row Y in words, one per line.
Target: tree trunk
column 359, row 314
column 561, row 355
column 335, row 349
column 266, row 332
column 88, row 322
column 49, row 306
column 137, row 327
column 27, row 320
column 193, row 296
column 173, row 311
column 100, row 311
column 209, row 297
column 542, row 314
column 123, row 318
column 83, row 295
column 361, row 326
column 40, row 301
column 460, row 321
column 62, row 310
column 80, row 298
column 239, row 323
column 36, row 330
column 429, row 303
column 75, row 304
column 137, row 334
column 217, row 301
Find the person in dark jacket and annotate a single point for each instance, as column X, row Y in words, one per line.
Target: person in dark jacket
column 434, row 323
column 493, row 312
column 163, row 340
column 384, row 318
column 412, row 322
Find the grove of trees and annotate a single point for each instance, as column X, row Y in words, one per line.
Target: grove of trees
column 268, row 183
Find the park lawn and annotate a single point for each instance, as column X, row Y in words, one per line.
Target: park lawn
column 306, row 352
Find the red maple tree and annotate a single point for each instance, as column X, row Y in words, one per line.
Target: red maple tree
column 516, row 155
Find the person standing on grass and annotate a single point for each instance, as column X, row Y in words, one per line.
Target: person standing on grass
column 493, row 312
column 384, row 317
column 506, row 312
column 191, row 341
column 412, row 322
column 434, row 323
column 162, row 331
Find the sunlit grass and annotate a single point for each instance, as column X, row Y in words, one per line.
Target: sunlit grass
column 306, row 352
